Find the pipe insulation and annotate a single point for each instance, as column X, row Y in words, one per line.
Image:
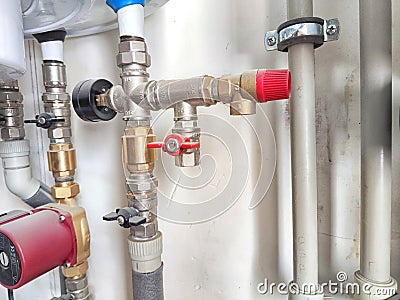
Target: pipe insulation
column 148, row 286
column 303, row 152
column 376, row 138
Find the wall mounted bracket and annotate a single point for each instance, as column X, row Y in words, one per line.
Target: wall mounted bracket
column 302, row 30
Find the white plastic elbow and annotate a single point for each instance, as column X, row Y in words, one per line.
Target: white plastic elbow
column 17, row 170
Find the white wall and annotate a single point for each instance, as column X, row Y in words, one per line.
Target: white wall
column 226, row 257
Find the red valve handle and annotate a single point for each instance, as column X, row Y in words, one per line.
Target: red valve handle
column 190, row 145
column 155, row 145
column 174, row 144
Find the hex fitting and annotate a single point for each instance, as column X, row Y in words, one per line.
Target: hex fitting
column 75, row 271
column 11, row 112
column 65, row 191
column 133, row 51
column 78, row 288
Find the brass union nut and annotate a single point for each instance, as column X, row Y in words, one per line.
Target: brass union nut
column 62, row 192
column 76, row 271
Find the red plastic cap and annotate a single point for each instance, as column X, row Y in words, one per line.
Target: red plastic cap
column 273, row 85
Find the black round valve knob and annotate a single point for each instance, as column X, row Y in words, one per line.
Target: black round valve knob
column 84, row 100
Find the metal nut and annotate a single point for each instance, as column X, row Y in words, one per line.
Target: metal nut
column 59, row 133
column 191, row 159
column 51, row 97
column 12, row 133
column 126, row 58
column 128, row 46
column 146, row 230
column 62, row 192
column 143, row 186
column 77, row 284
column 11, row 97
column 76, row 271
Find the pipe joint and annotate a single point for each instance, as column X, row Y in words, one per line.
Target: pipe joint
column 371, row 290
column 146, row 253
column 11, row 112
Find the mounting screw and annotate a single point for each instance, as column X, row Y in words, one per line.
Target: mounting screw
column 172, row 145
column 121, row 220
column 61, row 218
column 271, row 40
column 331, row 29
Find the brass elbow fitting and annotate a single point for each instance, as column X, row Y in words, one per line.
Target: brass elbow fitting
column 240, row 91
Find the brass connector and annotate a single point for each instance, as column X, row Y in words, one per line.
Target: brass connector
column 62, row 160
column 75, row 272
column 65, row 192
column 82, row 234
column 240, row 91
column 135, row 153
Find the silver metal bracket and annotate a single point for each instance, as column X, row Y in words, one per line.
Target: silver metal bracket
column 305, row 31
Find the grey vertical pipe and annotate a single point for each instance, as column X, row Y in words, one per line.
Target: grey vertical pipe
column 303, row 145
column 376, row 115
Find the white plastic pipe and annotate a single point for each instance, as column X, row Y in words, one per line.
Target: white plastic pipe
column 53, row 50
column 131, row 21
column 376, row 116
column 303, row 143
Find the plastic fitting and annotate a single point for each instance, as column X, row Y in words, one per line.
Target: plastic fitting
column 18, row 175
column 51, row 43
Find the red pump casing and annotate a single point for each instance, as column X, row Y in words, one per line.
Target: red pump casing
column 33, row 243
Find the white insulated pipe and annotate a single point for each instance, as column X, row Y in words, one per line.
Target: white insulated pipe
column 376, row 139
column 303, row 153
column 53, row 50
column 131, row 20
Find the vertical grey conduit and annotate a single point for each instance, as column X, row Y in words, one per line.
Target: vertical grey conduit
column 376, row 143
column 303, row 145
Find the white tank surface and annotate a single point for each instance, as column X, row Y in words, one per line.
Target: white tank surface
column 12, row 54
column 78, row 17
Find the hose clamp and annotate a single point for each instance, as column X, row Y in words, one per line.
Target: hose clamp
column 302, row 30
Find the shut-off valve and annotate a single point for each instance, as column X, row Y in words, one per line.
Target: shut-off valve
column 175, row 144
column 126, row 217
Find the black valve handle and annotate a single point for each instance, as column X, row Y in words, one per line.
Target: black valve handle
column 45, row 120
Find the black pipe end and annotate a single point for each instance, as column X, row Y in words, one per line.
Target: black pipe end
column 50, row 36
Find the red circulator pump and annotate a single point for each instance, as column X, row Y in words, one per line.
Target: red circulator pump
column 35, row 242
